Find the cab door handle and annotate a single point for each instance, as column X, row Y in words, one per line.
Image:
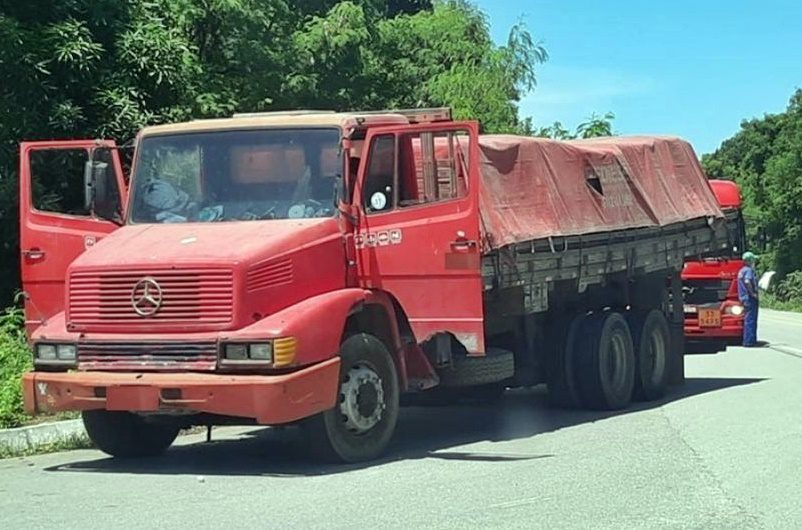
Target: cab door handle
column 34, row 254
column 463, row 243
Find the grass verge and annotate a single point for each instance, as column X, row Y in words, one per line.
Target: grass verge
column 770, row 301
column 70, row 443
column 15, row 360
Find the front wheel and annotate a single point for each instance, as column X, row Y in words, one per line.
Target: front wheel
column 360, row 425
column 127, row 435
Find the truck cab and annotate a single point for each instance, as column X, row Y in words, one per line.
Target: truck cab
column 714, row 317
column 236, row 274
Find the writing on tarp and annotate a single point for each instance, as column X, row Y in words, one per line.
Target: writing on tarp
column 613, row 184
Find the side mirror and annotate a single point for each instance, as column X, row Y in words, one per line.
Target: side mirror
column 101, row 195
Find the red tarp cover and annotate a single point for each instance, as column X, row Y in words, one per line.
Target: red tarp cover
column 534, row 188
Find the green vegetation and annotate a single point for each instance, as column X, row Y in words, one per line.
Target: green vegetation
column 103, row 68
column 594, row 126
column 786, row 295
column 765, row 159
column 80, row 441
column 15, row 359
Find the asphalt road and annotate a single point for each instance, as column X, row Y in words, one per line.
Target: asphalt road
column 723, row 451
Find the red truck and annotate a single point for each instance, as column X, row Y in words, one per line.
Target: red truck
column 309, row 268
column 714, row 317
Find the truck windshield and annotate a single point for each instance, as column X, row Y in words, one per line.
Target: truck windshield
column 236, row 176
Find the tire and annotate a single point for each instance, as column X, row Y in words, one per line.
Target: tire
column 127, row 435
column 605, row 362
column 652, row 347
column 498, row 365
column 561, row 383
column 361, row 424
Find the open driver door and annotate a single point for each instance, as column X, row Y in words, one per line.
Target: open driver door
column 72, row 194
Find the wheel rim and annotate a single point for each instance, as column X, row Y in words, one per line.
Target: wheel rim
column 616, row 362
column 655, row 359
column 361, row 399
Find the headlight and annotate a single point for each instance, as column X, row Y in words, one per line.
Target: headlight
column 236, row 352
column 65, row 352
column 277, row 352
column 261, row 352
column 736, row 310
column 55, row 353
column 46, row 352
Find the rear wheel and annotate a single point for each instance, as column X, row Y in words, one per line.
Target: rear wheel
column 127, row 435
column 360, row 425
column 652, row 342
column 561, row 383
column 605, row 362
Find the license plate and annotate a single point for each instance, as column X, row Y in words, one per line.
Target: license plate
column 709, row 318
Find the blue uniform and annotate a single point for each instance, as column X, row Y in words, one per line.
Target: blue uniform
column 747, row 293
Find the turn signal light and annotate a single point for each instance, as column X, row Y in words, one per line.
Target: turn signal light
column 277, row 352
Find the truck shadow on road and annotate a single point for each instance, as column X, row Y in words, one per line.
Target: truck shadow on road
column 422, row 432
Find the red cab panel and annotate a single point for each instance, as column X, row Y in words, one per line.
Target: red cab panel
column 418, row 234
column 59, row 183
column 728, row 194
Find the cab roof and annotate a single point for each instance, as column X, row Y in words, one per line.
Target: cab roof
column 303, row 118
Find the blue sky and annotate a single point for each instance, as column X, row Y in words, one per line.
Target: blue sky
column 689, row 68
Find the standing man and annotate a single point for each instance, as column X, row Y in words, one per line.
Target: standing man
column 747, row 293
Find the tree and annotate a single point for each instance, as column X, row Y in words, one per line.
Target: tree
column 592, row 127
column 596, row 126
column 104, row 68
column 765, row 159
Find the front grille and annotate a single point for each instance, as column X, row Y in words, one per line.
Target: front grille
column 178, row 355
column 705, row 291
column 195, row 297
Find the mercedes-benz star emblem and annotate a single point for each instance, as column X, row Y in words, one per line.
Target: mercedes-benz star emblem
column 146, row 297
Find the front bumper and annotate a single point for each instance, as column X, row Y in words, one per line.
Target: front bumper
column 268, row 399
column 731, row 328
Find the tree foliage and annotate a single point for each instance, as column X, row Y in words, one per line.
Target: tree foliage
column 105, row 68
column 595, row 125
column 765, row 159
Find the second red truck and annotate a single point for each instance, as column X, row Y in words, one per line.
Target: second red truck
column 714, row 317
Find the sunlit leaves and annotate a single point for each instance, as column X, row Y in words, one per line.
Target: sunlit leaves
column 765, row 158
column 72, row 44
column 106, row 68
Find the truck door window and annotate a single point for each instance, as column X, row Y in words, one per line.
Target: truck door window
column 432, row 167
column 59, row 180
column 379, row 194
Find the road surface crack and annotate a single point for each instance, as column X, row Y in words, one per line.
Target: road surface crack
column 750, row 520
